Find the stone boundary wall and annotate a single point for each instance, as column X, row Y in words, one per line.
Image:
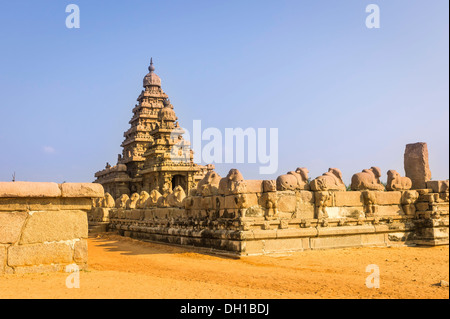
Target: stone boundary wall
column 43, row 226
column 252, row 217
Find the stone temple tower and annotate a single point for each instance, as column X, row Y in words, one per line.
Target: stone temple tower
column 154, row 154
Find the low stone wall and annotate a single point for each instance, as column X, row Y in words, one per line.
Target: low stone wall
column 43, row 226
column 254, row 218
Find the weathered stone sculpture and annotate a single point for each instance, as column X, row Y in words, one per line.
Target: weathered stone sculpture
column 269, row 185
column 131, row 203
column 211, row 180
column 270, row 204
column 153, row 198
column 416, row 164
column 121, row 202
column 162, row 201
column 108, row 201
column 395, row 182
column 409, row 199
column 176, row 198
column 368, row 179
column 370, row 202
column 323, row 200
column 228, row 184
column 331, row 180
column 297, row 180
column 142, row 202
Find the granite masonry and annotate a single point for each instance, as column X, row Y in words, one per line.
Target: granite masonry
column 43, row 226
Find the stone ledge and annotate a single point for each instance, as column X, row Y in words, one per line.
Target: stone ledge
column 52, row 190
column 90, row 190
column 29, row 189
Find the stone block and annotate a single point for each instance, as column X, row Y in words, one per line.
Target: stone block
column 250, row 200
column 38, row 269
column 296, row 232
column 121, row 213
column 373, row 239
column 254, row 186
column 286, row 203
column 305, row 197
column 388, row 198
column 80, row 253
column 336, row 242
column 344, row 212
column 88, row 190
column 13, row 204
column 438, row 186
column 219, row 202
column 230, row 202
column 137, row 214
column 422, row 206
column 29, row 189
column 207, row 202
column 392, row 210
column 54, row 226
column 197, row 202
column 2, row 259
column 416, row 164
column 346, row 199
column 345, row 230
column 148, row 214
column 303, row 213
column 283, row 245
column 253, row 247
column 76, row 203
column 11, row 226
column 37, row 254
column 46, row 203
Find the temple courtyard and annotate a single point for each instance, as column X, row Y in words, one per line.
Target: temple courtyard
column 122, row 267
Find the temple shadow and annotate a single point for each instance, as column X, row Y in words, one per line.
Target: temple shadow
column 134, row 247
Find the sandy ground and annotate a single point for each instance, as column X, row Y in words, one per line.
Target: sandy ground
column 126, row 268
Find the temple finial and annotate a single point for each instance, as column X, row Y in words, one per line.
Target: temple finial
column 151, row 68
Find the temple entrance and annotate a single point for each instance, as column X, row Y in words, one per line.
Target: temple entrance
column 179, row 180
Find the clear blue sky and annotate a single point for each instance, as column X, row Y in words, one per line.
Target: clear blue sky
column 342, row 95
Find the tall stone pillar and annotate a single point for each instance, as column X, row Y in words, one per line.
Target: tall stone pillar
column 416, row 164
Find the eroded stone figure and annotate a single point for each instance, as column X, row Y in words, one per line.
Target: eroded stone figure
column 153, row 198
column 166, row 191
column 323, row 200
column 270, row 204
column 409, row 199
column 211, row 180
column 176, row 198
column 142, row 202
column 370, row 207
column 368, row 179
column 131, row 203
column 121, row 202
column 108, row 201
column 229, row 183
column 396, row 182
column 331, row 180
column 297, row 180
